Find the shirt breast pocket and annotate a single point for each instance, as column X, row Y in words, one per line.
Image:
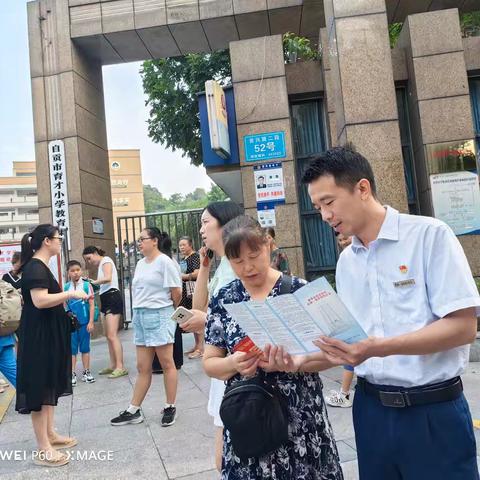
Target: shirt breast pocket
column 403, row 301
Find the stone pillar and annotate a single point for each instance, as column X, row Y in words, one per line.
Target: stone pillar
column 261, row 102
column 439, row 102
column 68, row 105
column 329, row 89
column 365, row 107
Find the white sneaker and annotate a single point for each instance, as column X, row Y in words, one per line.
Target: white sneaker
column 88, row 377
column 74, row 379
column 339, row 399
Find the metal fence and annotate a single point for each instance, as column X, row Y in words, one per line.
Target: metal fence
column 176, row 224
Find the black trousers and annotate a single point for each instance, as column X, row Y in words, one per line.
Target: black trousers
column 177, row 353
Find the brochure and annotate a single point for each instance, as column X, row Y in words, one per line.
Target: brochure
column 295, row 320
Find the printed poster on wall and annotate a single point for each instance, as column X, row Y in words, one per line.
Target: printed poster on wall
column 269, row 185
column 456, row 201
column 266, row 215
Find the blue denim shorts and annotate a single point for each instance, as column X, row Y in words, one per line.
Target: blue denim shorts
column 153, row 326
column 80, row 340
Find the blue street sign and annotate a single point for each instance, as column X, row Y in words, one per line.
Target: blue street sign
column 264, row 146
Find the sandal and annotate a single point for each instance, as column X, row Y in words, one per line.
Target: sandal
column 69, row 442
column 42, row 458
column 195, row 354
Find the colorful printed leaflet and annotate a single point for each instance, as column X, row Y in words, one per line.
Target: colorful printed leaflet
column 294, row 320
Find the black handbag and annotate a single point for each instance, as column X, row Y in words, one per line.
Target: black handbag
column 254, row 411
column 74, row 323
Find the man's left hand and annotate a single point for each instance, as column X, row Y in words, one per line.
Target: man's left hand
column 341, row 353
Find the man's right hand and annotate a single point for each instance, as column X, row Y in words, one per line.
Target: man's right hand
column 195, row 324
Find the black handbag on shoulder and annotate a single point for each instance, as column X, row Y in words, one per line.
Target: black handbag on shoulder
column 254, row 411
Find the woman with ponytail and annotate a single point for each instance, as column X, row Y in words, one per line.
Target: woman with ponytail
column 112, row 306
column 44, row 356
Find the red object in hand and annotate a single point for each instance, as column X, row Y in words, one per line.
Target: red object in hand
column 246, row 345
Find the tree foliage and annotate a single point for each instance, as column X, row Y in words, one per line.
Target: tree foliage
column 171, row 86
column 199, row 198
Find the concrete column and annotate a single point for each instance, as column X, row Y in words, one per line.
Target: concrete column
column 439, row 102
column 68, row 105
column 365, row 106
column 329, row 88
column 261, row 102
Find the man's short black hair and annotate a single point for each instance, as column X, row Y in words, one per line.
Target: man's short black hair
column 344, row 164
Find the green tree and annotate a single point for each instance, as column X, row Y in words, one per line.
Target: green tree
column 156, row 202
column 216, row 194
column 153, row 199
column 171, row 86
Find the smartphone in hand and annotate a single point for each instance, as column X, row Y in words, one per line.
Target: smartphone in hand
column 181, row 315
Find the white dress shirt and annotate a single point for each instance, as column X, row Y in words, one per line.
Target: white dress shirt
column 413, row 274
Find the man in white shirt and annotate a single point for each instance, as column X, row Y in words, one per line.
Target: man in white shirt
column 408, row 283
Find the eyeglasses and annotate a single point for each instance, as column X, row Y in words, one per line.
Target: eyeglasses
column 142, row 239
column 59, row 237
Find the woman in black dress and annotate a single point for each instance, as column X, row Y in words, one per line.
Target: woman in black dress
column 44, row 357
column 190, row 265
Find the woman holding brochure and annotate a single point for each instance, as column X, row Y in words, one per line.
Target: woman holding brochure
column 310, row 452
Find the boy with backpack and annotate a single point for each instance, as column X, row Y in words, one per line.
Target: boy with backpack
column 86, row 314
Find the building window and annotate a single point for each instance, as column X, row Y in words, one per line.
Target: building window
column 318, row 239
column 474, row 84
column 407, row 150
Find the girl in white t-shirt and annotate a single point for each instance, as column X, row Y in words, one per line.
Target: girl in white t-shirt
column 111, row 306
column 156, row 291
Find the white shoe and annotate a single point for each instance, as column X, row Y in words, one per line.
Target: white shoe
column 88, row 377
column 339, row 399
column 74, row 379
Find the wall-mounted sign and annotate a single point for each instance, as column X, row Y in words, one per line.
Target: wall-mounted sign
column 456, row 201
column 266, row 215
column 264, row 146
column 217, row 118
column 58, row 186
column 269, row 186
column 115, row 165
column 97, row 226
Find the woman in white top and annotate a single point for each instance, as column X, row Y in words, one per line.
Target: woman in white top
column 214, row 217
column 156, row 289
column 112, row 307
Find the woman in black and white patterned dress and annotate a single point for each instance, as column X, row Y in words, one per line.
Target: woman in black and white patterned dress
column 310, row 453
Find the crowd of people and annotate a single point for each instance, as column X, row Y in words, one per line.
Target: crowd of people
column 404, row 278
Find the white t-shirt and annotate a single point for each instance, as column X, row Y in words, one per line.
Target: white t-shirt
column 152, row 282
column 105, row 287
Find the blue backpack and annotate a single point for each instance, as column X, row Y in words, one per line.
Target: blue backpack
column 86, row 289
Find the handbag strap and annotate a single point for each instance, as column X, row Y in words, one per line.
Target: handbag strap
column 285, row 285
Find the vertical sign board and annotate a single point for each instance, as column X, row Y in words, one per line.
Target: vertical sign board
column 217, row 118
column 58, row 186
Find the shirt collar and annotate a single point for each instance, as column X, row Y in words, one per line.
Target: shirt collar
column 388, row 230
